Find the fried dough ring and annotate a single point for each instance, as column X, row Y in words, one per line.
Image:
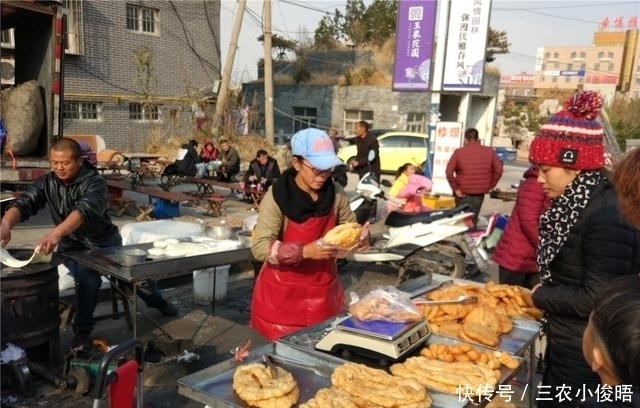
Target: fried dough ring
column 343, row 235
column 330, row 398
column 254, row 384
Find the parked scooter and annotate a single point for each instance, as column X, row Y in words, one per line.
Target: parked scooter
column 365, row 203
column 431, row 241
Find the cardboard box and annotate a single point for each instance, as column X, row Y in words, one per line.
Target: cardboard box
column 439, row 202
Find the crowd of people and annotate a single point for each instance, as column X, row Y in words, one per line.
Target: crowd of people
column 573, row 237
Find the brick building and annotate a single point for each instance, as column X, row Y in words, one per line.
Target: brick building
column 134, row 69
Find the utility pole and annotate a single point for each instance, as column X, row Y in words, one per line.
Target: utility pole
column 268, row 73
column 221, row 103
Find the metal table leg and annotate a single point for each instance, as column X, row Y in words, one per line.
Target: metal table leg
column 532, row 371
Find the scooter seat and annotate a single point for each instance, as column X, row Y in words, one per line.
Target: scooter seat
column 402, row 219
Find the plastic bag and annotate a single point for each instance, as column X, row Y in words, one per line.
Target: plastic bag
column 387, row 304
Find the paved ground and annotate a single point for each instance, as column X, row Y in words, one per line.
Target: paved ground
column 209, row 335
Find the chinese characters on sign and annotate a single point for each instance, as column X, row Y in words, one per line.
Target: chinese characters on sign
column 466, row 44
column 618, row 23
column 562, row 393
column 414, row 44
column 448, row 137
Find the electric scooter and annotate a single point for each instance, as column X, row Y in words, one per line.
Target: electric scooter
column 431, row 241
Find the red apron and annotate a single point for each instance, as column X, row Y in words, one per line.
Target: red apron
column 287, row 298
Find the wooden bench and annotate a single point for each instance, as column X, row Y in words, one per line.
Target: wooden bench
column 206, row 185
column 120, row 204
column 214, row 204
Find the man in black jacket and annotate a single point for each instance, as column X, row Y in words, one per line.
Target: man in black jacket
column 77, row 198
column 365, row 143
column 263, row 169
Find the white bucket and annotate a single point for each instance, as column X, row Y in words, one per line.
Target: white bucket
column 203, row 284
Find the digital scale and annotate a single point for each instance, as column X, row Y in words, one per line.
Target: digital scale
column 379, row 339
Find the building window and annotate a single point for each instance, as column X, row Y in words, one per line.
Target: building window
column 583, row 66
column 6, row 38
column 543, row 67
column 556, row 55
column 351, row 117
column 303, row 118
column 556, row 65
column 583, row 54
column 611, row 67
column 144, row 113
column 601, row 54
column 416, row 121
column 141, row 19
column 596, row 66
column 610, row 54
column 547, row 54
column 567, row 79
column 573, row 54
column 569, row 67
column 74, row 34
column 74, row 110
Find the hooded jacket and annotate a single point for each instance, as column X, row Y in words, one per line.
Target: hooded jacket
column 87, row 193
column 206, row 156
column 516, row 249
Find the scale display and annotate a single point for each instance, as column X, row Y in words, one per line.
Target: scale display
column 376, row 328
column 385, row 340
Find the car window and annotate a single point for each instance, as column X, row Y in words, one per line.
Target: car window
column 417, row 142
column 394, row 141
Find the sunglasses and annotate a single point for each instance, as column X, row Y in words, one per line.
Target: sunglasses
column 317, row 172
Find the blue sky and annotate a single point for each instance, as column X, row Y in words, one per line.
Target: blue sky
column 529, row 24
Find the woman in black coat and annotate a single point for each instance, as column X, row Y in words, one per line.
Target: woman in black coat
column 584, row 243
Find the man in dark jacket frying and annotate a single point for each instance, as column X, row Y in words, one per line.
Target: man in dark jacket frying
column 77, row 198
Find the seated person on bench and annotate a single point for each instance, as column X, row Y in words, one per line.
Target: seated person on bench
column 187, row 158
column 263, row 169
column 229, row 162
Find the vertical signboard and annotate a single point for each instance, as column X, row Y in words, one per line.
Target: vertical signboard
column 448, row 139
column 466, row 45
column 414, row 45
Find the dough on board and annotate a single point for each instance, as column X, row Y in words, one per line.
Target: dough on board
column 160, row 244
column 155, row 251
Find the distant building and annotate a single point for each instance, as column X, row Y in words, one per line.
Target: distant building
column 611, row 66
column 133, row 69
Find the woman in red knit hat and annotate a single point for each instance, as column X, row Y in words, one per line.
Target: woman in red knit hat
column 584, row 243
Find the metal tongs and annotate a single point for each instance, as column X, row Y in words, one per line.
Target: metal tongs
column 269, row 359
column 461, row 300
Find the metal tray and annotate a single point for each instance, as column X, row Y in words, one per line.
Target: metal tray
column 454, row 401
column 516, row 342
column 107, row 260
column 213, row 385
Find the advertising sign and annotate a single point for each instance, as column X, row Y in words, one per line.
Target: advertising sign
column 414, row 44
column 448, row 139
column 466, row 45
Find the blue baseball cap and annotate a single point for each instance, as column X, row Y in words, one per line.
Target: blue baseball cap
column 316, row 147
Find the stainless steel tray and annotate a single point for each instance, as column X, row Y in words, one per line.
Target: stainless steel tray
column 213, row 385
column 516, row 342
column 107, row 260
column 454, row 401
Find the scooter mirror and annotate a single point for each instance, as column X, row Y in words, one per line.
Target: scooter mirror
column 371, row 156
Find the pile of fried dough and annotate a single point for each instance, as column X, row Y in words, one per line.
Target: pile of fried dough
column 446, row 377
column 482, row 322
column 258, row 386
column 356, row 385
